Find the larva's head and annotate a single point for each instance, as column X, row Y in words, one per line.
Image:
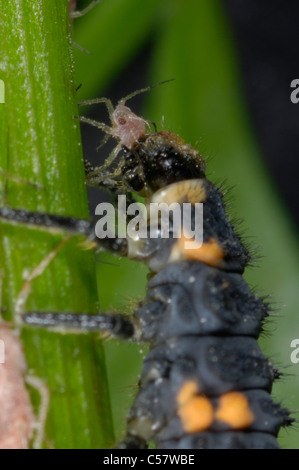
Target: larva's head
column 160, row 159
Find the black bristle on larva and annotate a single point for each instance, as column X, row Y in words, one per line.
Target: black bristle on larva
column 205, row 383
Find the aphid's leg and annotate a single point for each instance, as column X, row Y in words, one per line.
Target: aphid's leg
column 103, row 141
column 117, row 325
column 80, row 48
column 97, row 176
column 77, row 14
column 111, row 157
column 107, row 102
column 39, row 425
column 94, row 177
column 37, row 271
column 92, row 122
column 108, row 130
column 115, row 187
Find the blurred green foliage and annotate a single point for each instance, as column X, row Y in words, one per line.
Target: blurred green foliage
column 191, row 41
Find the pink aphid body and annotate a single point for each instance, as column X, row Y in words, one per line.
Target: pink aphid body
column 16, row 414
column 127, row 127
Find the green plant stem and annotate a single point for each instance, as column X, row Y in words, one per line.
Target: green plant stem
column 40, row 150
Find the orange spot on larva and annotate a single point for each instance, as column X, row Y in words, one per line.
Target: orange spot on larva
column 197, row 414
column 234, row 410
column 209, row 252
column 188, row 390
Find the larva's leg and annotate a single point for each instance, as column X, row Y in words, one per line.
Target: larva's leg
column 57, row 223
column 114, row 324
column 47, row 222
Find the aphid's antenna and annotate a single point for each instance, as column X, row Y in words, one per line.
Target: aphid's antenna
column 110, row 106
column 143, row 90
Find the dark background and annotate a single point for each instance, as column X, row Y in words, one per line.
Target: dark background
column 267, row 38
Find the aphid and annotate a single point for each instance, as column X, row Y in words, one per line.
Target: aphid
column 18, row 423
column 126, row 127
column 205, row 383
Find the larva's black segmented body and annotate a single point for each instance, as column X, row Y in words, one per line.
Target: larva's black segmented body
column 205, row 383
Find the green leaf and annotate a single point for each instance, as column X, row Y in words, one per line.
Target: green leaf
column 41, row 153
